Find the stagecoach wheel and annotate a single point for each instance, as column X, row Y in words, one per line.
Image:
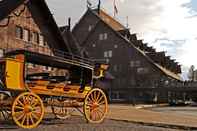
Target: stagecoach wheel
column 4, row 112
column 62, row 112
column 95, row 106
column 27, row 110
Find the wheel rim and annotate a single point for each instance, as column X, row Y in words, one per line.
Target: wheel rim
column 27, row 110
column 95, row 106
column 61, row 111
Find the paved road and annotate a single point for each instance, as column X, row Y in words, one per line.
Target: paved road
column 77, row 123
column 186, row 111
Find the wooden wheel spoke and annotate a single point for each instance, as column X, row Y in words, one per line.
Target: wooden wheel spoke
column 90, row 101
column 23, row 120
column 98, row 95
column 20, row 103
column 32, row 100
column 28, row 99
column 19, row 107
column 18, row 112
column 102, row 102
column 92, row 97
column 89, row 105
column 27, row 118
column 99, row 110
column 92, row 114
column 99, row 115
column 31, row 118
column 21, row 116
column 35, row 116
column 35, row 103
column 24, row 100
column 100, row 98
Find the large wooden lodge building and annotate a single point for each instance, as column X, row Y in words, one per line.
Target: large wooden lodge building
column 136, row 67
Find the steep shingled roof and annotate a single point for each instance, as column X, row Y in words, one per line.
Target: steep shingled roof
column 130, row 43
column 116, row 25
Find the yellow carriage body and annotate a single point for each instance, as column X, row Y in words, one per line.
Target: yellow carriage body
column 14, row 76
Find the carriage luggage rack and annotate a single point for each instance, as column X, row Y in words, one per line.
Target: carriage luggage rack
column 56, row 54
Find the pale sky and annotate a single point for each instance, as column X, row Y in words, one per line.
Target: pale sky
column 168, row 25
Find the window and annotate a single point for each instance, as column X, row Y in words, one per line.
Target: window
column 89, row 28
column 26, row 35
column 48, row 68
column 35, row 37
column 100, row 36
column 135, row 63
column 132, row 64
column 19, row 32
column 105, row 36
column 41, row 40
column 115, row 68
column 30, row 65
column 110, row 53
column 107, row 60
column 93, row 45
column 105, row 54
column 45, row 43
column 1, row 52
column 142, row 70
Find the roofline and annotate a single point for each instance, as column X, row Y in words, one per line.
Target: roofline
column 80, row 20
column 53, row 22
column 130, row 43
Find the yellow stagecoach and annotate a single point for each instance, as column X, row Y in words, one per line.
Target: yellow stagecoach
column 24, row 93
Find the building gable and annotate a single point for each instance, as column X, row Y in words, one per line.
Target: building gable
column 29, row 24
column 85, row 25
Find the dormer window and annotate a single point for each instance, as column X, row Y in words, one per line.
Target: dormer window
column 19, row 32
column 35, row 38
column 41, row 40
column 89, row 28
column 103, row 36
column 26, row 35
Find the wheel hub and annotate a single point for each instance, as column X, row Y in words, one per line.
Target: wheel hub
column 95, row 105
column 27, row 109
